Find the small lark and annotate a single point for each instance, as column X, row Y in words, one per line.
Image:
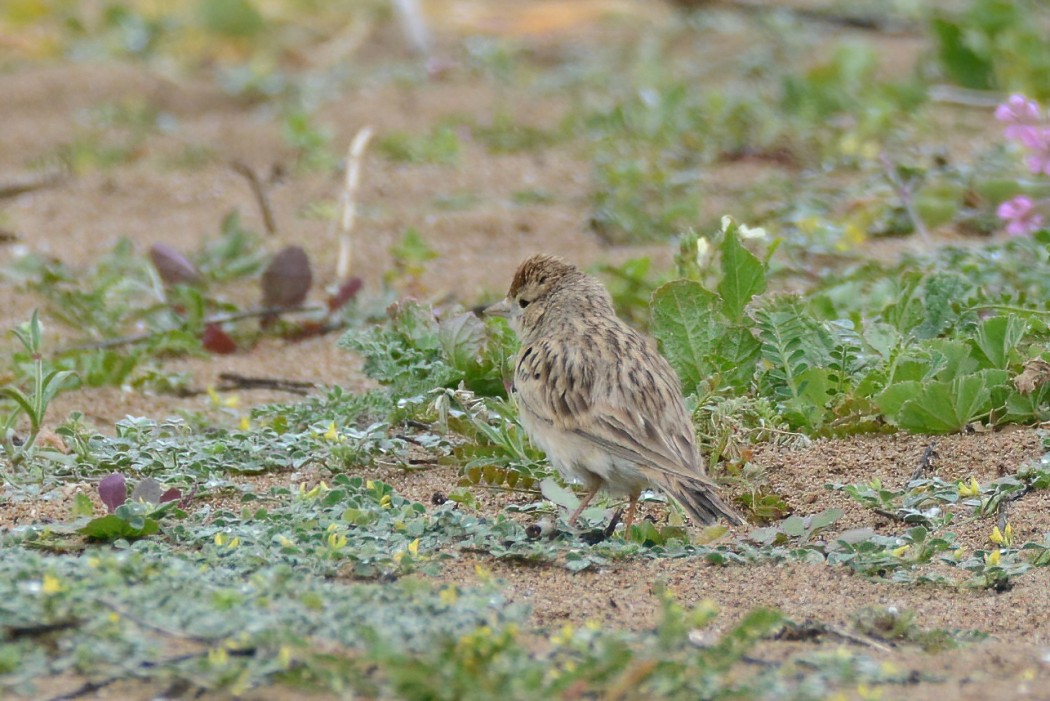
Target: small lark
column 597, row 396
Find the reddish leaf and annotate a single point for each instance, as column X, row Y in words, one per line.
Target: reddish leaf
column 346, row 292
column 172, row 266
column 113, row 491
column 217, row 341
column 171, row 495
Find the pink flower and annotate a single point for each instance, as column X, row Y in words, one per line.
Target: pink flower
column 1020, row 216
column 1020, row 114
column 1038, row 142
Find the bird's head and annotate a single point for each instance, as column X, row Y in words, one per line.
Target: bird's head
column 540, row 281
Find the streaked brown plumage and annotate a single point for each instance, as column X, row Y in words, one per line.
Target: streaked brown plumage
column 598, row 397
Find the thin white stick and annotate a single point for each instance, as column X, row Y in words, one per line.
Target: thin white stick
column 412, row 23
column 349, row 200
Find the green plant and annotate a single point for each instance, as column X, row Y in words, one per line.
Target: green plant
column 440, row 146
column 45, row 386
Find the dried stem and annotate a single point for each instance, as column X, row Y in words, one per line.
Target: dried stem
column 259, row 192
column 349, row 200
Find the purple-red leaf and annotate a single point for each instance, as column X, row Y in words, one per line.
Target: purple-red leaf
column 346, row 292
column 172, row 266
column 172, row 494
column 113, row 490
column 217, row 341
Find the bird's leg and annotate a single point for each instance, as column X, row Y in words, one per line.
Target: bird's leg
column 583, row 505
column 630, row 514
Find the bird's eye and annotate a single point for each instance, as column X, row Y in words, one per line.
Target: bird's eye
column 523, row 303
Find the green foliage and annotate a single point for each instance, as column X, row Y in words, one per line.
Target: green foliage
column 440, row 146
column 994, row 44
column 46, row 385
column 702, row 333
column 918, row 346
column 414, row 352
column 311, row 141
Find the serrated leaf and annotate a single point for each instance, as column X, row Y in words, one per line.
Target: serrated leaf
column 946, row 407
column 461, row 339
column 940, row 293
column 743, row 276
column 688, row 324
column 995, row 340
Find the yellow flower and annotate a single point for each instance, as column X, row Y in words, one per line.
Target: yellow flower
column 996, row 537
column 284, row 657
column 245, row 423
column 52, row 584
column 332, row 434
column 484, row 575
column 218, row 657
column 899, row 552
column 413, row 547
column 230, row 402
column 319, row 489
column 449, row 595
column 972, row 489
column 222, row 539
column 284, row 541
column 564, row 636
column 113, row 617
column 336, row 541
column 384, row 501
column 992, row 558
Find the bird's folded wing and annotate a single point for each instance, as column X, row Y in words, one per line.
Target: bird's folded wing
column 640, row 421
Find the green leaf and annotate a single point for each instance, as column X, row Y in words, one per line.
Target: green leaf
column 113, row 527
column 946, row 407
column 891, row 399
column 233, row 18
column 941, row 292
column 794, row 526
column 824, row 519
column 82, row 506
column 964, row 65
column 554, row 492
column 743, row 276
column 461, row 339
column 996, row 340
column 688, row 324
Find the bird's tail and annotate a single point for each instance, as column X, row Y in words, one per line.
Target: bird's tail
column 700, row 498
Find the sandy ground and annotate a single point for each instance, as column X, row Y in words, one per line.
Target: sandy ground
column 478, row 249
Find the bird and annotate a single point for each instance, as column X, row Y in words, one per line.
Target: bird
column 597, row 396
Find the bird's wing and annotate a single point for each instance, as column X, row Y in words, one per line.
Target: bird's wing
column 628, row 403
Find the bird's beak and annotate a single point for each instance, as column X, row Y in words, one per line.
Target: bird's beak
column 500, row 308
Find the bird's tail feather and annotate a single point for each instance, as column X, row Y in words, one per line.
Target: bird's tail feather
column 700, row 498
